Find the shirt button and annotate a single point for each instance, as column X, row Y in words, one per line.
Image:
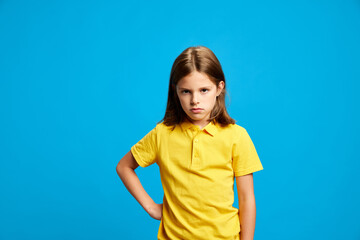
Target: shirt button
column 196, row 140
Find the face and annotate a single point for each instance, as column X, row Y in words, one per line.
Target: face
column 197, row 95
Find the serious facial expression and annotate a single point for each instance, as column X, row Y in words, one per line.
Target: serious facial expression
column 197, row 95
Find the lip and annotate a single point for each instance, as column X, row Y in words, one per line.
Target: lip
column 196, row 110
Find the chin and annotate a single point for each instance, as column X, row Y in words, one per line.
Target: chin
column 196, row 119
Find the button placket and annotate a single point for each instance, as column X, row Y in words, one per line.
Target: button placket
column 195, row 153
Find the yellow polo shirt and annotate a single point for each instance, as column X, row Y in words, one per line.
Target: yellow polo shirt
column 197, row 169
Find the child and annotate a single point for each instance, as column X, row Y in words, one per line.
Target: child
column 199, row 150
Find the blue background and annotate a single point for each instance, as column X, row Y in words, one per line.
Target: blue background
column 82, row 81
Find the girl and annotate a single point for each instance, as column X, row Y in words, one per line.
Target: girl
column 199, row 150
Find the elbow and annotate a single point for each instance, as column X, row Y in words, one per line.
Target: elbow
column 249, row 196
column 126, row 164
column 122, row 169
column 119, row 168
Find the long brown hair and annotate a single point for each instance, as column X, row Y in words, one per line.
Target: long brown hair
column 203, row 60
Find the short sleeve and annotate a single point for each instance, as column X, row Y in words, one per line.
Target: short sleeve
column 145, row 151
column 244, row 155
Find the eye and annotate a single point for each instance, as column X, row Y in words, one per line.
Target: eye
column 204, row 90
column 185, row 91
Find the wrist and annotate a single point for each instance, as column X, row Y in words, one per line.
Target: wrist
column 149, row 206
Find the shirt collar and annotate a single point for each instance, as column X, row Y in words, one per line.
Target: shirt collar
column 211, row 128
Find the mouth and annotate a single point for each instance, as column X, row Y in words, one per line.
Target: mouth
column 196, row 110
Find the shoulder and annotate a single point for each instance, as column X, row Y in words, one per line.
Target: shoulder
column 162, row 130
column 162, row 127
column 232, row 128
column 155, row 131
column 232, row 131
column 236, row 127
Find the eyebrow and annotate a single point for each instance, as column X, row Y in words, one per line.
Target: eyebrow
column 199, row 88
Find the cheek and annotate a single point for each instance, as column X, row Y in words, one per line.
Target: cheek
column 212, row 99
column 214, row 102
column 182, row 101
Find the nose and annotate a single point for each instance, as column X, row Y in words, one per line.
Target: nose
column 194, row 99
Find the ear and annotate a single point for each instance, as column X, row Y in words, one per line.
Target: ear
column 220, row 87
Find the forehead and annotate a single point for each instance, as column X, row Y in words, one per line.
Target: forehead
column 194, row 80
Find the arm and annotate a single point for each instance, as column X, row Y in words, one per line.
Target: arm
column 247, row 207
column 126, row 171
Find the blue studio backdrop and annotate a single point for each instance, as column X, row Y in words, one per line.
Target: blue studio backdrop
column 82, row 81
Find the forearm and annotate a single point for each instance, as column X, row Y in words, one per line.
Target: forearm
column 133, row 185
column 247, row 215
